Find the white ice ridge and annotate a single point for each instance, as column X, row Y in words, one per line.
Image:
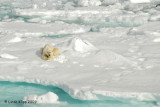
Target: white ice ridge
column 88, row 2
column 78, row 45
column 82, row 46
column 69, row 14
column 148, row 28
column 33, row 29
column 7, row 56
column 88, row 16
column 140, row 96
column 140, row 1
column 157, row 40
column 49, row 97
column 16, row 39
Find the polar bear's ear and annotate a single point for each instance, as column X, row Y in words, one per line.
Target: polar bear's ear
column 41, row 50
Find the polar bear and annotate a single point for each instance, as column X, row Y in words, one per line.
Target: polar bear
column 48, row 52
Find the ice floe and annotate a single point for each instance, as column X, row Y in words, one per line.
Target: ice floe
column 32, row 29
column 113, row 47
column 49, row 97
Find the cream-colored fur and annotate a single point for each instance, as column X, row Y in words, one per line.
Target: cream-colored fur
column 48, row 52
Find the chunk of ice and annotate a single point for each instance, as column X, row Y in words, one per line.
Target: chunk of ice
column 49, row 97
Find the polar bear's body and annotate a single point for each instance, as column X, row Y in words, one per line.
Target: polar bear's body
column 48, row 52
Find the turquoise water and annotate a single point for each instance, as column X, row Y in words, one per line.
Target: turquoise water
column 56, row 36
column 16, row 91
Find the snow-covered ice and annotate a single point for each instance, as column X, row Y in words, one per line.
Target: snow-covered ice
column 16, row 39
column 77, row 45
column 88, row 2
column 49, row 97
column 108, row 48
column 23, row 29
column 7, row 56
column 108, row 52
column 157, row 40
column 140, row 1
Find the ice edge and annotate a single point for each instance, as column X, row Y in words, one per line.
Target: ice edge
column 89, row 94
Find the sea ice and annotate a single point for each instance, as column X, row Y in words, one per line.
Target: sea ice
column 7, row 56
column 123, row 34
column 140, row 1
column 49, row 97
column 157, row 40
column 77, row 45
column 16, row 39
column 81, row 46
column 35, row 29
column 89, row 2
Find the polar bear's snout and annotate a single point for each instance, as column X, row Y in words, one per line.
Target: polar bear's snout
column 49, row 54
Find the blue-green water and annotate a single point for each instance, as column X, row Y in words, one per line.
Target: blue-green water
column 56, row 36
column 16, row 91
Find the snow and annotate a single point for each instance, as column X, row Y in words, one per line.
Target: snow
column 140, row 1
column 108, row 62
column 157, row 40
column 88, row 2
column 78, row 45
column 61, row 59
column 115, row 13
column 7, row 56
column 33, row 29
column 49, row 97
column 148, row 28
column 112, row 48
column 16, row 39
